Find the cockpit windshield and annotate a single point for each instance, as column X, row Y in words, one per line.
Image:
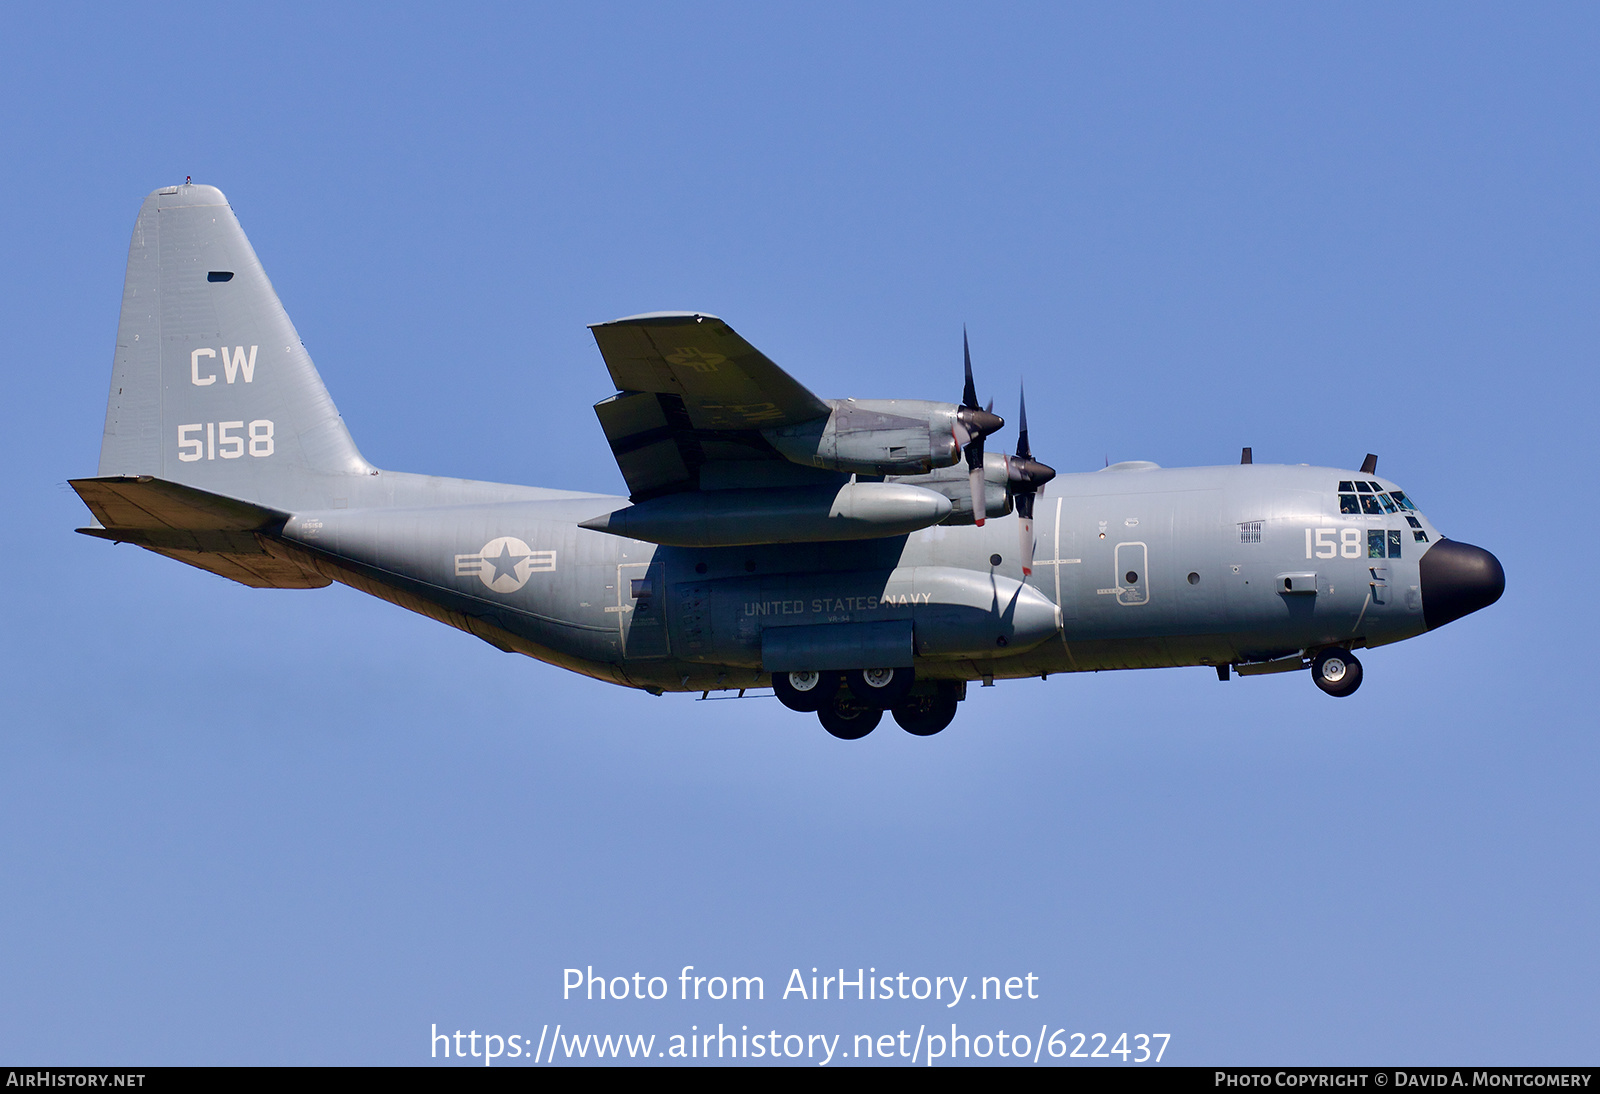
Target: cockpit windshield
column 1357, row 497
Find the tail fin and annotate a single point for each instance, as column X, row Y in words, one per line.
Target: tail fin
column 211, row 387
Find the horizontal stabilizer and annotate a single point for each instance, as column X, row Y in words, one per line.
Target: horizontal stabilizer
column 215, row 533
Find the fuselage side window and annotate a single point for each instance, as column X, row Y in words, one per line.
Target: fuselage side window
column 1394, row 544
column 1375, row 544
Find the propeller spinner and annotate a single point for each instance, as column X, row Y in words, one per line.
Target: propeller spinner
column 1026, row 478
column 973, row 424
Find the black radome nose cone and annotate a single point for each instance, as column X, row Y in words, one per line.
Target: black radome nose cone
column 1458, row 579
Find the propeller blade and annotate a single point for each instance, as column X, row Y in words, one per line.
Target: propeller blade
column 980, row 510
column 1026, row 480
column 1022, row 425
column 969, row 394
column 1026, row 475
column 973, row 424
column 1025, row 531
column 1024, row 507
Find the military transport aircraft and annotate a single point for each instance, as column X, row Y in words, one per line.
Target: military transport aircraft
column 844, row 552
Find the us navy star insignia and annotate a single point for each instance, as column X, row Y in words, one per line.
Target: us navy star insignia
column 695, row 358
column 505, row 564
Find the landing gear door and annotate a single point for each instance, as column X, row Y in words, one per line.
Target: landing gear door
column 1132, row 580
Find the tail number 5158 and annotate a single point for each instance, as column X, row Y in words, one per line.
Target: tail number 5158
column 227, row 440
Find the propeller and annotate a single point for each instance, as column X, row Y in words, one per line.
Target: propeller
column 1025, row 478
column 973, row 424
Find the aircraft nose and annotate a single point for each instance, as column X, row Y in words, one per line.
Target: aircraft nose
column 1458, row 579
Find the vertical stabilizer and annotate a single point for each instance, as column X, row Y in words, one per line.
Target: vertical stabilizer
column 211, row 386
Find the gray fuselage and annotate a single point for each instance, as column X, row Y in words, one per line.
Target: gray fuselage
column 1137, row 567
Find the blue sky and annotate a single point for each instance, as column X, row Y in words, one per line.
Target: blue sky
column 302, row 827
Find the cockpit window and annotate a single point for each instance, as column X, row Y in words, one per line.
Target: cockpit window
column 1414, row 522
column 1383, row 544
column 1357, row 497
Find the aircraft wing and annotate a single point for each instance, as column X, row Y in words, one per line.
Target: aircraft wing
column 691, row 392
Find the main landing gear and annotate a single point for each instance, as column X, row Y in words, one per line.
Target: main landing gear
column 1336, row 671
column 851, row 704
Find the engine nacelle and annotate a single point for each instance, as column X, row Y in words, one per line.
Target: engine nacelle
column 953, row 483
column 874, row 437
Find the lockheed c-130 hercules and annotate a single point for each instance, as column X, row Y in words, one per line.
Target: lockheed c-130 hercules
column 843, row 552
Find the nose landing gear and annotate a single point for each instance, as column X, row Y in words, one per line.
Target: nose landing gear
column 1336, row 671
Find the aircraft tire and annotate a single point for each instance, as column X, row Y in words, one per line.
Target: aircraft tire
column 847, row 718
column 925, row 715
column 1337, row 672
column 792, row 692
column 882, row 688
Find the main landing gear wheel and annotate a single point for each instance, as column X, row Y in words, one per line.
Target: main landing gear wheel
column 1336, row 672
column 847, row 717
column 804, row 691
column 925, row 715
column 882, row 688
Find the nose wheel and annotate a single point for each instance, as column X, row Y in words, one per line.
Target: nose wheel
column 1336, row 672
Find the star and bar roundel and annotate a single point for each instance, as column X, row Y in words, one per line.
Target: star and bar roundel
column 505, row 563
